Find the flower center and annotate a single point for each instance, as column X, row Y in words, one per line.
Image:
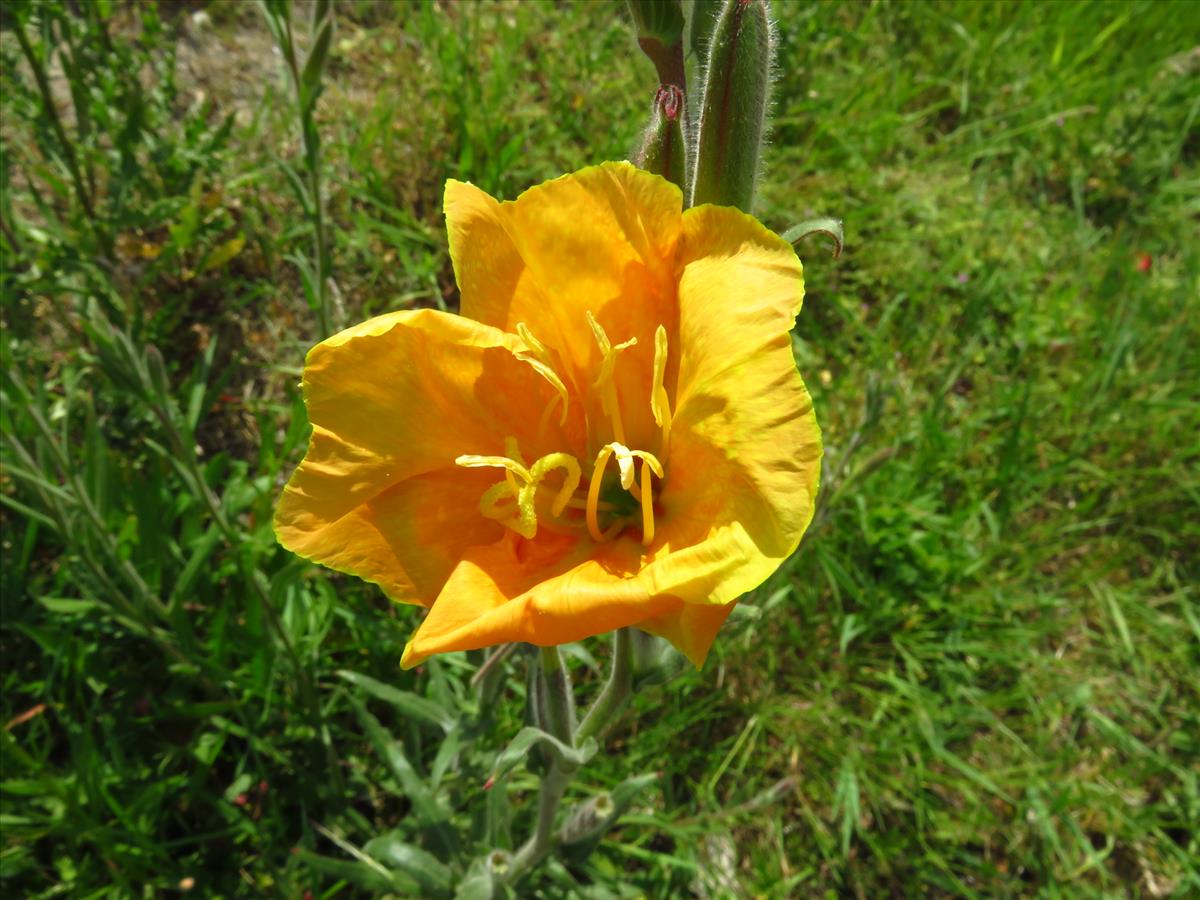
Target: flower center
column 524, row 500
column 642, row 492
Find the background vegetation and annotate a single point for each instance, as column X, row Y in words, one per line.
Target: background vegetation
column 980, row 675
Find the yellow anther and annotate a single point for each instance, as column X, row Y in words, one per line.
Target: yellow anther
column 660, row 403
column 570, row 466
column 555, row 382
column 526, row 524
column 607, row 348
column 514, row 453
column 609, row 401
column 647, row 505
column 600, row 334
column 625, row 462
column 538, row 356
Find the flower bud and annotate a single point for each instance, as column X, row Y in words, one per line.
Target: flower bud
column 587, row 820
column 499, row 862
column 664, row 146
column 733, row 111
column 704, row 17
column 659, row 26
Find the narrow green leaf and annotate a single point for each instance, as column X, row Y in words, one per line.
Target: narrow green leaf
column 478, row 884
column 425, row 805
column 310, row 78
column 421, row 865
column 409, row 704
column 447, row 752
column 357, row 873
column 830, row 227
column 204, row 548
column 67, row 606
column 223, row 253
column 630, row 789
column 529, row 737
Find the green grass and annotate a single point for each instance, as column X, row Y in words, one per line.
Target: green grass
column 979, row 675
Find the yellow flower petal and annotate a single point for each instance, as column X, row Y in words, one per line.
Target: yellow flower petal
column 745, row 451
column 549, row 591
column 393, row 402
column 598, row 241
column 691, row 627
column 703, row 303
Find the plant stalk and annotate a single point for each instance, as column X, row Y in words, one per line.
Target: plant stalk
column 560, row 716
column 68, row 149
column 615, row 694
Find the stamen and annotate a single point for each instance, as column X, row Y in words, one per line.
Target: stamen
column 535, row 346
column 471, row 461
column 514, row 452
column 539, row 357
column 593, row 497
column 527, row 523
column 624, row 463
column 626, row 460
column 660, row 403
column 555, row 382
column 613, row 530
column 513, row 449
column 647, row 505
column 609, row 401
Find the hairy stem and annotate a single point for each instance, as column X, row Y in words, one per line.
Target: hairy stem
column 616, row 690
column 560, row 722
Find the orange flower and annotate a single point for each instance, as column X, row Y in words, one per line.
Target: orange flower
column 612, row 433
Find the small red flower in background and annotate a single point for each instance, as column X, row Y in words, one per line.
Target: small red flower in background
column 1144, row 261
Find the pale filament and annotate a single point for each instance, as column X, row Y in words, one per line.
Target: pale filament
column 647, row 499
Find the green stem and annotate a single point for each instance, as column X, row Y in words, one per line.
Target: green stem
column 489, row 678
column 554, row 785
column 560, row 722
column 616, row 691
column 68, row 149
column 560, row 706
column 312, row 162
